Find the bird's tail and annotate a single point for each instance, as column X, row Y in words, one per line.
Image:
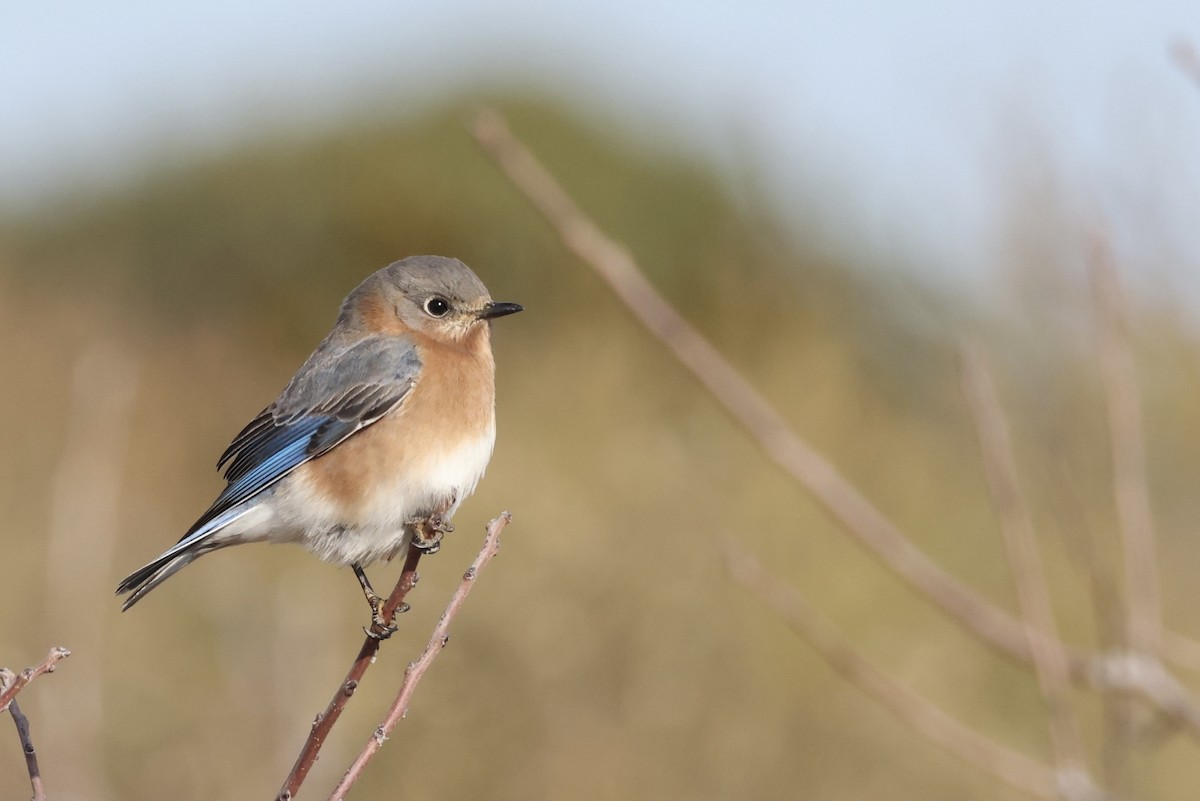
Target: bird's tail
column 194, row 544
column 141, row 581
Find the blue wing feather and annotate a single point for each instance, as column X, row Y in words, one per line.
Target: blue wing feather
column 333, row 396
column 283, row 449
column 347, row 384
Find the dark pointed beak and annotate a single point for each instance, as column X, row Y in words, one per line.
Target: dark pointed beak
column 494, row 310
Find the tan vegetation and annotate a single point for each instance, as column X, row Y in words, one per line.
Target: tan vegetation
column 608, row 654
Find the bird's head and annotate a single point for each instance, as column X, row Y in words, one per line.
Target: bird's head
column 431, row 295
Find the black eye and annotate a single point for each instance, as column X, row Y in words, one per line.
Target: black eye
column 437, row 307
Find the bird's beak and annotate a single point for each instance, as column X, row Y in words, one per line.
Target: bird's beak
column 494, row 310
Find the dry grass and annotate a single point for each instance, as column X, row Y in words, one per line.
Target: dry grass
column 611, row 657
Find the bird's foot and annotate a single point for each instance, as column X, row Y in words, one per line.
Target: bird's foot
column 381, row 628
column 427, row 542
column 428, row 533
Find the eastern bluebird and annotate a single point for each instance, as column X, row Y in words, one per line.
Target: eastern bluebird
column 375, row 441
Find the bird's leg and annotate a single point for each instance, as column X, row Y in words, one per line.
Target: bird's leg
column 380, row 629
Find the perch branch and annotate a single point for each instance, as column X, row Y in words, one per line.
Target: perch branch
column 1049, row 659
column 366, row 656
column 1012, row 767
column 31, row 763
column 416, row 670
column 9, row 687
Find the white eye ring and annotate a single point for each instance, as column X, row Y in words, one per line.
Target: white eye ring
column 437, row 307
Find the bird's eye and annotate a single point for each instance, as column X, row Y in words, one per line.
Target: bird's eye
column 437, row 307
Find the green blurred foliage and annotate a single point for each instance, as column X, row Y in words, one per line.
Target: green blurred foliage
column 605, row 654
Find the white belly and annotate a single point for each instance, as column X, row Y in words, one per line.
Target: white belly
column 377, row 526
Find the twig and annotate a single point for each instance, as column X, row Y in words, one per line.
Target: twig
column 1130, row 485
column 1146, row 678
column 845, row 503
column 1119, row 709
column 366, row 656
column 1049, row 659
column 416, row 670
column 1145, row 641
column 1012, row 767
column 1110, row 672
column 746, row 405
column 31, row 763
column 10, row 687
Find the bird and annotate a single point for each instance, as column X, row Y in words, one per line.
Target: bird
column 379, row 436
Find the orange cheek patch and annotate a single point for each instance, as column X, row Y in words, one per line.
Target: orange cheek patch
column 377, row 316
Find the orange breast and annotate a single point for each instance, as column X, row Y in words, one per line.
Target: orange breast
column 452, row 402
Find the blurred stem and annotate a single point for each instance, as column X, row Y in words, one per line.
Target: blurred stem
column 1016, row 523
column 747, row 406
column 1012, row 767
column 613, row 263
column 744, row 403
column 1130, row 484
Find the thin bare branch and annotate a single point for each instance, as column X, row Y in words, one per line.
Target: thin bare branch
column 845, row 503
column 1145, row 677
column 323, row 724
column 9, row 687
column 1130, row 484
column 1049, row 658
column 416, row 670
column 745, row 404
column 31, row 763
column 1012, row 767
column 1120, row 709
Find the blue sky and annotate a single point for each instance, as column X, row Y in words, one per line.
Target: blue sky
column 905, row 118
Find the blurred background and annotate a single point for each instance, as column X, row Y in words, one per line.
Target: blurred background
column 837, row 194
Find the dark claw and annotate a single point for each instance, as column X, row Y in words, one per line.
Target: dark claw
column 428, row 546
column 427, row 533
column 379, row 630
